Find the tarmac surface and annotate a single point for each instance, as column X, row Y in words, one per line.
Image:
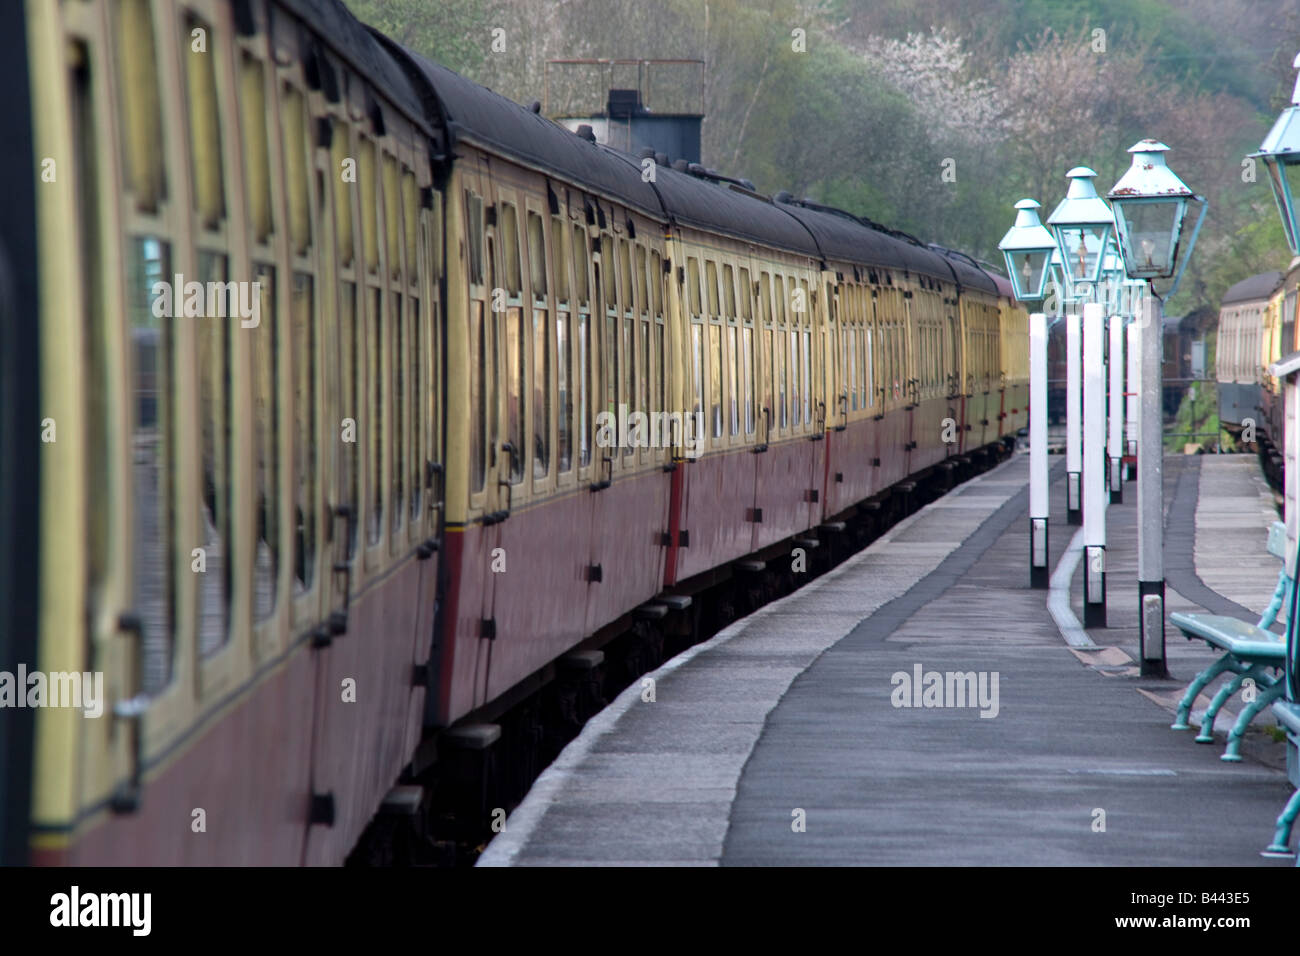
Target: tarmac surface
column 921, row 705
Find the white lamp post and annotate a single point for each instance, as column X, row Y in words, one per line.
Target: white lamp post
column 1152, row 210
column 1082, row 223
column 1028, row 248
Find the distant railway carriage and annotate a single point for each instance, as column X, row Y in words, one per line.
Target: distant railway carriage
column 1239, row 355
column 323, row 547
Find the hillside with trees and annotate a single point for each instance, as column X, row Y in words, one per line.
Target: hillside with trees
column 932, row 116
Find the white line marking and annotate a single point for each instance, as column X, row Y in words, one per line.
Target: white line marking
column 1058, row 600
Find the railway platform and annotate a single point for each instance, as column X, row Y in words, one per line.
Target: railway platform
column 921, row 705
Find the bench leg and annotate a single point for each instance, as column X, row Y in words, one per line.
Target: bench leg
column 1206, row 736
column 1270, row 693
column 1281, row 845
column 1224, row 663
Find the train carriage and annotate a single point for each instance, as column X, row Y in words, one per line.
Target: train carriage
column 344, row 355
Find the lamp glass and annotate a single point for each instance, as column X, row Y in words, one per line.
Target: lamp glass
column 1148, row 232
column 1028, row 272
column 1081, row 248
column 1284, row 177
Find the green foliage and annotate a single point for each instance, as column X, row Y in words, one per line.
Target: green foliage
column 450, row 32
column 840, row 125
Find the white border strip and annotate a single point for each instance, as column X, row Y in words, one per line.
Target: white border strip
column 1058, row 599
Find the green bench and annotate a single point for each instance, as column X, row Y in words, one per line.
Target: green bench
column 1250, row 652
column 1287, row 713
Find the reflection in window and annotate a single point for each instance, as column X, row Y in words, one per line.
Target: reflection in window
column 397, row 441
column 541, row 393
column 564, row 368
column 304, row 435
column 477, row 405
column 374, row 429
column 151, row 538
column 213, row 338
column 516, row 388
column 266, row 431
column 351, row 346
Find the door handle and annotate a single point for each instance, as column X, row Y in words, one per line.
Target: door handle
column 126, row 798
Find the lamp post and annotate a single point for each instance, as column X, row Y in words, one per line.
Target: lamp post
column 1028, row 248
column 1082, row 224
column 1152, row 210
column 1114, row 269
column 1281, row 154
column 1133, row 289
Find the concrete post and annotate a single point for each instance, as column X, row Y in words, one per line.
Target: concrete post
column 1132, row 394
column 1039, row 576
column 1115, row 439
column 1151, row 528
column 1094, row 466
column 1073, row 421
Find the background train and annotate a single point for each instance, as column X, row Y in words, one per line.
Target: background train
column 341, row 526
column 1257, row 326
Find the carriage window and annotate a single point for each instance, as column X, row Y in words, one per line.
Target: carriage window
column 368, row 174
column 375, row 419
column 766, row 295
column 747, row 376
column 796, row 416
column 541, row 392
column 257, row 163
column 693, row 284
column 418, row 410
column 510, row 248
column 608, row 268
column 581, row 263
column 340, row 151
column 474, row 216
column 657, row 283
column 746, row 295
column 609, row 366
column 697, row 357
column 715, row 378
column 642, row 301
column 806, row 354
column 516, row 390
column 729, row 291
column 643, row 375
column 782, row 404
column 303, row 332
column 214, row 493
column 779, row 296
column 628, row 390
column 392, row 221
column 351, row 350
column 397, row 401
column 660, row 367
column 152, row 430
column 586, row 388
column 735, row 378
column 560, row 258
column 625, row 273
column 536, row 256
column 850, row 345
column 265, row 345
column 142, row 139
column 297, row 167
column 564, row 404
column 205, row 129
column 411, row 221
column 711, row 285
column 478, row 409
